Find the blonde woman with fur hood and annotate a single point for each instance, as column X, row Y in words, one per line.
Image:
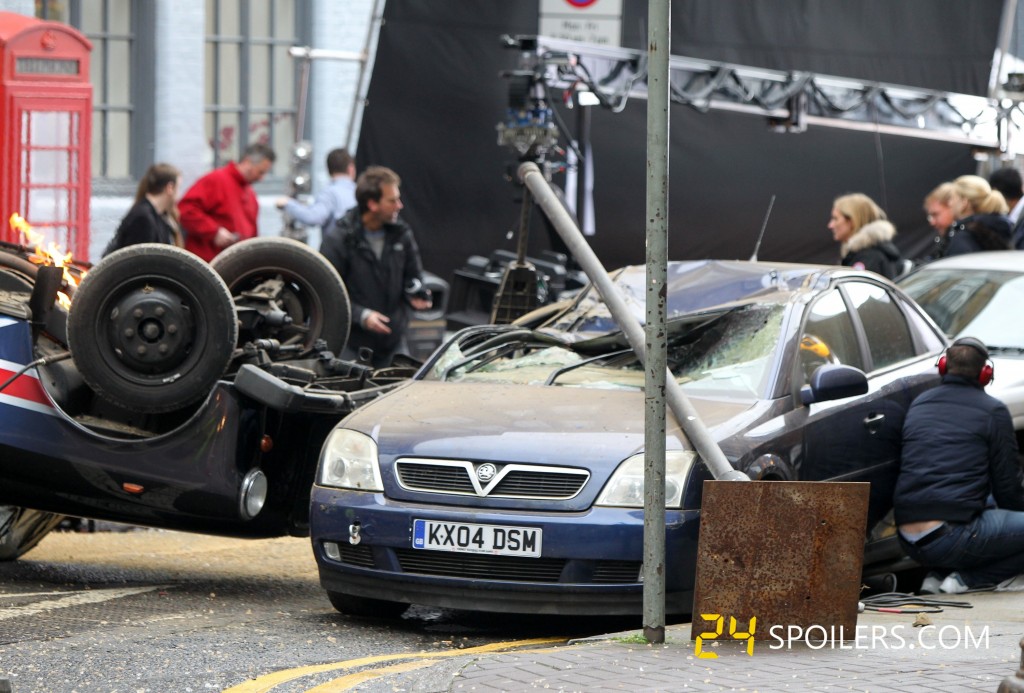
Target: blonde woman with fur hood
column 865, row 235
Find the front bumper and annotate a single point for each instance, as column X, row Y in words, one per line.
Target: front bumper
column 590, row 562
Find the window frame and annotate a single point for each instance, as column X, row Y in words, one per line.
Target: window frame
column 141, row 74
column 852, row 321
column 245, row 110
column 860, row 324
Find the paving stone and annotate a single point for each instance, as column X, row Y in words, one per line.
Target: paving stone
column 614, row 665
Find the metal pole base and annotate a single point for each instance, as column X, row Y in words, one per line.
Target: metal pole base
column 1015, row 683
column 654, row 634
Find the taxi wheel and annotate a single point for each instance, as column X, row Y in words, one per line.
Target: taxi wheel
column 24, row 269
column 152, row 328
column 21, row 529
column 366, row 606
column 291, row 279
column 26, row 272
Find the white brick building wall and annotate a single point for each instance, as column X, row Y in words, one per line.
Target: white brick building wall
column 334, row 99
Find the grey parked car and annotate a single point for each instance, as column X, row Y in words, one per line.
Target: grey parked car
column 981, row 295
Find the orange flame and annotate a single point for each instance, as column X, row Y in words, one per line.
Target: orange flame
column 52, row 254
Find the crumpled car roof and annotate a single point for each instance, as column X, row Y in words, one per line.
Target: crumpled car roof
column 694, row 287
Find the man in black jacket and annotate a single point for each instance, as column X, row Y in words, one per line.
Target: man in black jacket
column 960, row 455
column 376, row 255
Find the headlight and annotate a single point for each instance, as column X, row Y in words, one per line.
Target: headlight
column 626, row 487
column 349, row 460
column 253, row 495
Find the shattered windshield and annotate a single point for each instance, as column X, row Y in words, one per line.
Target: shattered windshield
column 727, row 353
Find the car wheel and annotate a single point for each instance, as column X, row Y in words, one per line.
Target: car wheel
column 21, row 529
column 286, row 291
column 27, row 270
column 152, row 327
column 366, row 606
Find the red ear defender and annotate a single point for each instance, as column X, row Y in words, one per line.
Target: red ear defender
column 987, row 374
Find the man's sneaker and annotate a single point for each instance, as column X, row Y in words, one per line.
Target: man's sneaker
column 953, row 584
column 932, row 584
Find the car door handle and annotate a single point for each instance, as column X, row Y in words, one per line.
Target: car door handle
column 873, row 422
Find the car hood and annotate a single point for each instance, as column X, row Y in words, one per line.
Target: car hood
column 498, row 422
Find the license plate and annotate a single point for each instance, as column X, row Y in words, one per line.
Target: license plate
column 465, row 537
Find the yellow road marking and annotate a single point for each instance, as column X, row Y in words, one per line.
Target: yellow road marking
column 346, row 682
column 266, row 683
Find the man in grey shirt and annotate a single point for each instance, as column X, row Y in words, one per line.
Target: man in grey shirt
column 331, row 203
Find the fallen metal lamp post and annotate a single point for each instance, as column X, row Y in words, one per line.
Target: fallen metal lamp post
column 684, row 412
column 800, row 543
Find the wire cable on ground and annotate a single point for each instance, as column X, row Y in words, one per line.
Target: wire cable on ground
column 903, row 603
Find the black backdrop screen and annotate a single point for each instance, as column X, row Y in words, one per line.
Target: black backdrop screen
column 436, row 98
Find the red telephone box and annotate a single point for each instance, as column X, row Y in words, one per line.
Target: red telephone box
column 46, row 116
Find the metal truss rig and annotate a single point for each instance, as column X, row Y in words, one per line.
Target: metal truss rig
column 791, row 101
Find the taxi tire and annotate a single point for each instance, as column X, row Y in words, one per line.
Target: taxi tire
column 314, row 296
column 22, row 528
column 26, row 270
column 154, row 279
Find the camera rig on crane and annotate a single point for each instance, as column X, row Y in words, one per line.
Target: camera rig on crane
column 532, row 129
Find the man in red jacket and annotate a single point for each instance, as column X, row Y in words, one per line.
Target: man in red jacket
column 221, row 208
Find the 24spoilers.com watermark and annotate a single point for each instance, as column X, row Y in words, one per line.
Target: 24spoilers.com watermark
column 862, row 637
column 879, row 637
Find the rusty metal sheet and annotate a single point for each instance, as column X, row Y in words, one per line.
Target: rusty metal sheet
column 789, row 553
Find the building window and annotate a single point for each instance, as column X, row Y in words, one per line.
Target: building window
column 121, row 71
column 109, row 29
column 250, row 79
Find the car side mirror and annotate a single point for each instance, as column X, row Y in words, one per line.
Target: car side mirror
column 834, row 381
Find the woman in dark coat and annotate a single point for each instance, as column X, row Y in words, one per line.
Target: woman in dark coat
column 865, row 235
column 153, row 217
column 981, row 222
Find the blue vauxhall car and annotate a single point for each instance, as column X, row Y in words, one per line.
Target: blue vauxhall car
column 507, row 474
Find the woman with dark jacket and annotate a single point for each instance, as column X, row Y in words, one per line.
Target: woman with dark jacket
column 865, row 235
column 153, row 218
column 981, row 222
